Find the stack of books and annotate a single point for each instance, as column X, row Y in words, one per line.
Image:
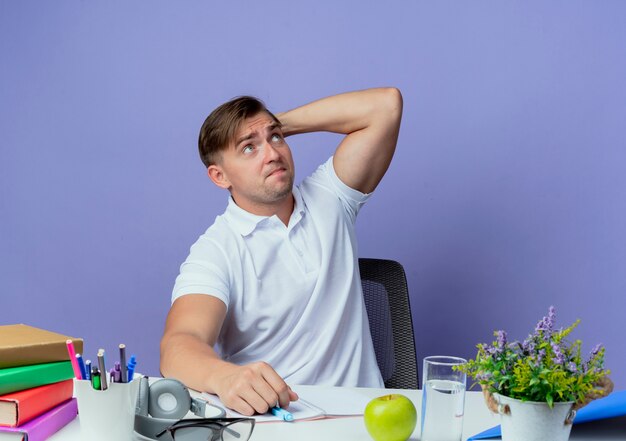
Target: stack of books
column 36, row 383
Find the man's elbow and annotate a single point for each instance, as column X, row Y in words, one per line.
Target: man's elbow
column 393, row 102
column 388, row 107
column 168, row 347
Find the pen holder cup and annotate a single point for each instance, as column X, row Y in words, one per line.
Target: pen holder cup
column 106, row 415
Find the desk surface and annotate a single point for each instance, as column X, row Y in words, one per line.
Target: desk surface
column 477, row 418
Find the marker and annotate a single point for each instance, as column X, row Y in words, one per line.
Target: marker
column 81, row 365
column 72, row 352
column 282, row 413
column 103, row 375
column 116, row 373
column 123, row 363
column 88, row 369
column 95, row 378
column 131, row 367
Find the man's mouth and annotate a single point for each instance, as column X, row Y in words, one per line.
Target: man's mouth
column 276, row 171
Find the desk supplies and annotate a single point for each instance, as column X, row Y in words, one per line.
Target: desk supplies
column 115, row 374
column 87, row 370
column 96, row 382
column 17, row 408
column 23, row 345
column 25, row 377
column 72, row 354
column 43, row 426
column 103, row 370
column 81, row 366
column 312, row 404
column 106, row 415
column 281, row 413
column 35, row 381
column 123, row 367
column 131, row 367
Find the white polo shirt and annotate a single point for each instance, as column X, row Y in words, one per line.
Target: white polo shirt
column 293, row 293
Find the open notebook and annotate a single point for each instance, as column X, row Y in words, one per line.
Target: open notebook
column 314, row 403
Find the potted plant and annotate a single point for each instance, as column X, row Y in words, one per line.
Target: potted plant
column 537, row 385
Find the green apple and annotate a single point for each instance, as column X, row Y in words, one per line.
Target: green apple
column 390, row 418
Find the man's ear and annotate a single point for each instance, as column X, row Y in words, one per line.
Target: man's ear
column 217, row 175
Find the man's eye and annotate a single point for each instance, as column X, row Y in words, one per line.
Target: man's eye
column 248, row 149
column 276, row 137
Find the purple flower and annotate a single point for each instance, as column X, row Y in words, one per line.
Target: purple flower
column 540, row 355
column 595, row 350
column 558, row 355
column 484, row 376
column 491, row 351
column 528, row 346
column 547, row 323
column 501, row 339
column 571, row 366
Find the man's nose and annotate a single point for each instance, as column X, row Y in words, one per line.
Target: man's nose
column 271, row 154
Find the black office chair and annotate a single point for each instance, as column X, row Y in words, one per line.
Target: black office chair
column 387, row 303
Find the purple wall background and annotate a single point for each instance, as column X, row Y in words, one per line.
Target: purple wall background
column 507, row 193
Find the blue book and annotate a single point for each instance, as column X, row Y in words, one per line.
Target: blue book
column 611, row 406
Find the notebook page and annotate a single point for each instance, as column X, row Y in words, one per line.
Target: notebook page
column 301, row 410
column 336, row 401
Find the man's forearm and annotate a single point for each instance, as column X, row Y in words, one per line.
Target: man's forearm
column 190, row 360
column 370, row 119
column 251, row 388
column 344, row 113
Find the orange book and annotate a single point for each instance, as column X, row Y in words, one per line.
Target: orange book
column 23, row 345
column 17, row 408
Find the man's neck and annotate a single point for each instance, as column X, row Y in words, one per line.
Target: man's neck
column 282, row 209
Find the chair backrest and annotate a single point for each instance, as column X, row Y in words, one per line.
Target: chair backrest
column 386, row 298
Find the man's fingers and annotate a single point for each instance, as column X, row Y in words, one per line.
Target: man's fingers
column 258, row 402
column 240, row 405
column 268, row 397
column 256, row 387
column 292, row 395
column 278, row 387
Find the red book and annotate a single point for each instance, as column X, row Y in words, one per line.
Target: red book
column 17, row 408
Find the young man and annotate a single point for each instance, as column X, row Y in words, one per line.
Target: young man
column 270, row 294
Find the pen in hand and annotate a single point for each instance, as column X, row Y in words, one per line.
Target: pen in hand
column 282, row 413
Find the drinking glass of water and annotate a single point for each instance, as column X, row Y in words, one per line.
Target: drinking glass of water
column 443, row 399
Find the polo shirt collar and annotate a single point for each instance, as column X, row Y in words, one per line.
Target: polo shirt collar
column 245, row 222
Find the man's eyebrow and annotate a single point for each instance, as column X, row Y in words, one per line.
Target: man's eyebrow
column 275, row 126
column 244, row 138
column 271, row 127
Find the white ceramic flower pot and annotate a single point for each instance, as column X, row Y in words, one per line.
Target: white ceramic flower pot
column 533, row 421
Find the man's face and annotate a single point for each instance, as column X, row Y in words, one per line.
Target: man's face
column 257, row 167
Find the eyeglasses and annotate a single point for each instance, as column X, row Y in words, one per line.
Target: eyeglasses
column 209, row 429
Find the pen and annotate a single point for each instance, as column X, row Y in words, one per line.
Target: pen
column 282, row 413
column 81, row 366
column 103, row 371
column 131, row 367
column 72, row 352
column 123, row 363
column 95, row 378
column 88, row 369
column 116, row 373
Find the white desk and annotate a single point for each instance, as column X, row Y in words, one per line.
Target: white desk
column 477, row 418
